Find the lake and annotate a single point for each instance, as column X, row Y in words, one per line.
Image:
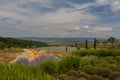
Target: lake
column 58, row 48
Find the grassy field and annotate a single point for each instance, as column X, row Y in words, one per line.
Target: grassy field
column 79, row 65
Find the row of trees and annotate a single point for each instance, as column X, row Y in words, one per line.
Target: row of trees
column 111, row 40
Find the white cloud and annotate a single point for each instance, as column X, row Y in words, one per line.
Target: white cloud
column 86, row 26
column 64, row 34
column 115, row 6
column 64, row 16
column 80, row 6
column 102, row 2
column 46, row 28
column 102, row 29
column 73, row 29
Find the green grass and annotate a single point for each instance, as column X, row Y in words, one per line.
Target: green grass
column 21, row 72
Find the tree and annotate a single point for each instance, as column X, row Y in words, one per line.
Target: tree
column 112, row 40
column 2, row 45
column 95, row 43
column 86, row 44
column 76, row 44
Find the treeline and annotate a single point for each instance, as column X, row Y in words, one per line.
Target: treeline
column 12, row 42
column 110, row 43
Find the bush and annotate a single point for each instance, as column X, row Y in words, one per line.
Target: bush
column 89, row 60
column 114, row 75
column 113, row 67
column 69, row 62
column 49, row 66
column 51, row 78
column 95, row 77
column 99, row 53
column 90, row 69
column 72, row 73
column 104, row 72
column 106, row 79
column 2, row 45
column 117, row 78
column 83, row 75
column 72, row 78
column 81, row 79
column 63, row 77
column 117, row 58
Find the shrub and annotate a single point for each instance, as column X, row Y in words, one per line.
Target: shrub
column 63, row 77
column 117, row 78
column 83, row 75
column 117, row 58
column 72, row 73
column 106, row 79
column 104, row 72
column 89, row 60
column 69, row 62
column 113, row 67
column 49, row 66
column 90, row 69
column 81, row 79
column 72, row 78
column 51, row 78
column 95, row 77
column 114, row 75
column 2, row 45
column 99, row 53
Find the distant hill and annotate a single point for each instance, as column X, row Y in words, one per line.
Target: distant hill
column 13, row 42
column 80, row 39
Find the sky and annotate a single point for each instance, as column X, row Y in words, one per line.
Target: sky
column 60, row 18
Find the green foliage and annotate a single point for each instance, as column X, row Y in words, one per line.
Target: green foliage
column 104, row 72
column 88, row 60
column 99, row 53
column 90, row 69
column 83, row 75
column 69, row 62
column 63, row 77
column 2, row 45
column 111, row 40
column 12, row 42
column 72, row 78
column 49, row 66
column 72, row 73
column 114, row 75
column 21, row 72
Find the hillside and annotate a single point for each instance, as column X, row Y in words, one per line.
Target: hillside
column 13, row 42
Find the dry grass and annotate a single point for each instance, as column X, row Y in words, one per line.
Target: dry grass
column 8, row 55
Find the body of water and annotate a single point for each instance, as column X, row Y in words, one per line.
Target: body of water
column 58, row 48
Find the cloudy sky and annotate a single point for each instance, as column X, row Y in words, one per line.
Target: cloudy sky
column 60, row 18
